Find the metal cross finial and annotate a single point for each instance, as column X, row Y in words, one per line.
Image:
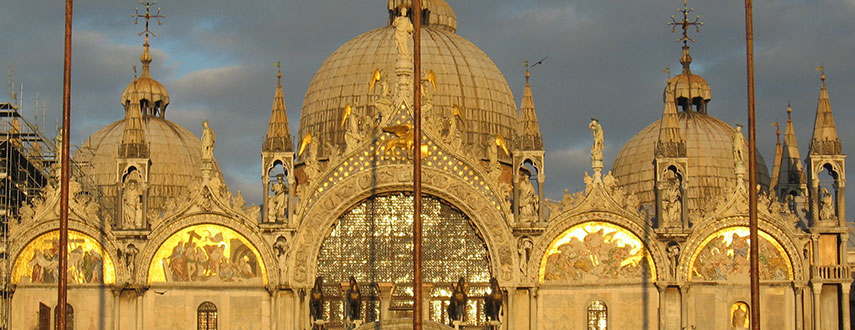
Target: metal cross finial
column 147, row 16
column 685, row 23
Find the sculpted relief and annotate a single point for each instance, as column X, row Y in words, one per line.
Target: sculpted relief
column 596, row 251
column 207, row 254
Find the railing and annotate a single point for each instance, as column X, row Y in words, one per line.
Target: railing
column 832, row 273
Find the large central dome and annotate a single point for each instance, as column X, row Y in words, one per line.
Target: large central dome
column 465, row 76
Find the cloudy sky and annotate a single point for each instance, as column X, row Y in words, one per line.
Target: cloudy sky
column 606, row 59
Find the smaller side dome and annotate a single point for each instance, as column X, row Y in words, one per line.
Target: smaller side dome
column 150, row 94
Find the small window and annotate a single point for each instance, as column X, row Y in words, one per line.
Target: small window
column 598, row 316
column 69, row 317
column 207, row 316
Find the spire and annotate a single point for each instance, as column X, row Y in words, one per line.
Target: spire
column 144, row 90
column 145, row 58
column 791, row 170
column 776, row 164
column 825, row 140
column 278, row 133
column 686, row 25
column 670, row 143
column 133, row 137
column 529, row 128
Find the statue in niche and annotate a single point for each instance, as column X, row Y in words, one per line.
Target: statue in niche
column 673, row 252
column 599, row 140
column 208, row 140
column 672, row 204
column 826, row 209
column 277, row 209
column 130, row 259
column 403, row 29
column 738, row 147
column 524, row 249
column 528, row 199
column 281, row 246
column 132, row 210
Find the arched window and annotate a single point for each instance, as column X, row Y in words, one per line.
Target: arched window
column 69, row 317
column 598, row 316
column 740, row 316
column 206, row 316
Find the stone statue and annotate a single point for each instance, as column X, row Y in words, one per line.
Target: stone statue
column 826, row 209
column 279, row 203
column 524, row 249
column 673, row 252
column 281, row 246
column 353, row 134
column 739, row 318
column 130, row 259
column 672, row 205
column 738, row 147
column 403, row 29
column 353, row 300
column 312, row 167
column 454, row 137
column 208, row 140
column 132, row 212
column 599, row 140
column 528, row 199
column 458, row 301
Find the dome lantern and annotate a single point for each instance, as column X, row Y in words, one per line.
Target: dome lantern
column 151, row 95
column 689, row 91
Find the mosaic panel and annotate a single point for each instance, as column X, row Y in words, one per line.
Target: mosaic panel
column 207, row 253
column 724, row 256
column 87, row 261
column 594, row 251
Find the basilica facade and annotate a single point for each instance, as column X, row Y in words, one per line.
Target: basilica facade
column 157, row 240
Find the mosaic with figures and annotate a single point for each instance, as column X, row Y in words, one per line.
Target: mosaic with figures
column 723, row 256
column 595, row 251
column 87, row 260
column 207, row 253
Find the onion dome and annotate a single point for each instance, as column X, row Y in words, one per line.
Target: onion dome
column 466, row 76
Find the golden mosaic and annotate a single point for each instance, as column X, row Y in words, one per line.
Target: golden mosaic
column 87, row 262
column 594, row 251
column 723, row 256
column 207, row 253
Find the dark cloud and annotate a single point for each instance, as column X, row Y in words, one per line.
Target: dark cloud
column 605, row 60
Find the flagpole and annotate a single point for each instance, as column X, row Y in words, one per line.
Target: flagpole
column 62, row 280
column 752, row 171
column 417, row 166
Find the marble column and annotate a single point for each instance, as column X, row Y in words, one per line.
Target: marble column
column 797, row 292
column 117, row 297
column 661, row 288
column 844, row 305
column 426, row 290
column 508, row 308
column 533, row 307
column 385, row 299
column 139, row 308
column 274, row 310
column 684, row 307
column 817, row 317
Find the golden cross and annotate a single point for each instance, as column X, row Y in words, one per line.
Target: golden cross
column 685, row 23
column 147, row 16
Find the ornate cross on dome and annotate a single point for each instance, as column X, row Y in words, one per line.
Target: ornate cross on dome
column 685, row 23
column 147, row 16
